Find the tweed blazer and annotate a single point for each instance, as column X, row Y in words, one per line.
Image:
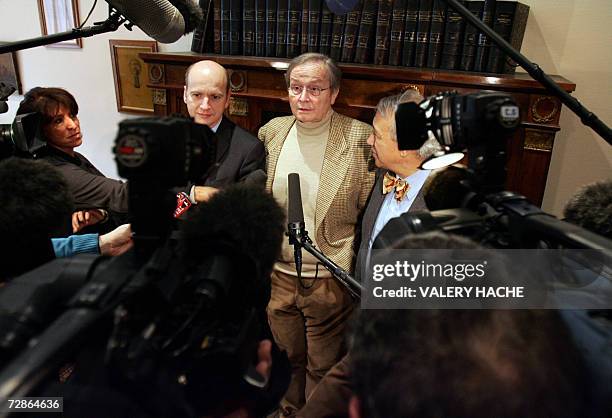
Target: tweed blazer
column 344, row 186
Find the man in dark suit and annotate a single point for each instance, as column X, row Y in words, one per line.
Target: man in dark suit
column 240, row 156
column 397, row 190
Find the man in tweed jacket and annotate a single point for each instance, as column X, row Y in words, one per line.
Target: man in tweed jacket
column 330, row 153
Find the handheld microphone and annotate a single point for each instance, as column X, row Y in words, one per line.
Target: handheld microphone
column 295, row 218
column 163, row 20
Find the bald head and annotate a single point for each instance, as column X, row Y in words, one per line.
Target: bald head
column 208, row 68
column 206, row 92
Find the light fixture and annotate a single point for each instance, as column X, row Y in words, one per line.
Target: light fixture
column 441, row 159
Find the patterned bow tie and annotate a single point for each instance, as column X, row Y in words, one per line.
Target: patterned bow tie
column 391, row 182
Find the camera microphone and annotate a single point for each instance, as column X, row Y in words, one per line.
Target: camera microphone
column 163, row 20
column 295, row 218
column 239, row 221
column 449, row 188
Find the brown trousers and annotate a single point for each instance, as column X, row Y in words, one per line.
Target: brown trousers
column 332, row 395
column 309, row 324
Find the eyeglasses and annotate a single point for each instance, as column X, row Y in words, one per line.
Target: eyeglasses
column 313, row 91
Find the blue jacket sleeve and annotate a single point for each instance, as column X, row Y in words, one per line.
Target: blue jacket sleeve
column 75, row 244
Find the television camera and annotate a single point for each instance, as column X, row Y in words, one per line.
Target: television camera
column 471, row 200
column 173, row 325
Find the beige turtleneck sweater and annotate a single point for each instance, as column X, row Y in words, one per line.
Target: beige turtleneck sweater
column 303, row 152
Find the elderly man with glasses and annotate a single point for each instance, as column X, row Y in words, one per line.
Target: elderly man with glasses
column 330, row 153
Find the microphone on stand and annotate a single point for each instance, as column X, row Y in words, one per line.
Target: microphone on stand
column 295, row 218
column 163, row 20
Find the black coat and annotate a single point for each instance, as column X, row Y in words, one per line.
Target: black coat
column 239, row 155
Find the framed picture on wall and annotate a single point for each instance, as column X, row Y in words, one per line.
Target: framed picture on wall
column 9, row 72
column 59, row 16
column 130, row 73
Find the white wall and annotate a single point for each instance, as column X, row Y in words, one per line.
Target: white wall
column 568, row 37
column 85, row 72
column 573, row 38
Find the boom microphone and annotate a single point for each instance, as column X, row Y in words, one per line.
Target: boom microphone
column 162, row 20
column 295, row 218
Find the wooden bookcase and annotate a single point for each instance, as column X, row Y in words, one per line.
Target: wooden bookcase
column 259, row 93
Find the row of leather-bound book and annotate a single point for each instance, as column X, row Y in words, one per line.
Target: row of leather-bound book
column 410, row 33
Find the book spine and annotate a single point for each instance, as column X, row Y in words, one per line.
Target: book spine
column 304, row 31
column 351, row 29
column 469, row 38
column 502, row 25
column 209, row 35
column 260, row 28
column 337, row 37
column 383, row 29
column 248, row 27
column 398, row 17
column 410, row 34
column 293, row 29
column 483, row 43
column 326, row 30
column 217, row 26
column 314, row 25
column 519, row 23
column 422, row 39
column 436, row 32
column 197, row 42
column 367, row 32
column 225, row 27
column 271, row 25
column 453, row 37
column 282, row 22
column 235, row 24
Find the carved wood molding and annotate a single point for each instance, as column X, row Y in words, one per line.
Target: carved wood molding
column 544, row 109
column 237, row 80
column 537, row 140
column 238, row 106
column 159, row 97
column 156, row 73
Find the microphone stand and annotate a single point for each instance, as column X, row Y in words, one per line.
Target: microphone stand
column 587, row 117
column 303, row 240
column 111, row 24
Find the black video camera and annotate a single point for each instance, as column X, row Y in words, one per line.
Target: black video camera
column 172, row 335
column 457, row 121
column 156, row 155
column 471, row 201
column 22, row 138
column 477, row 123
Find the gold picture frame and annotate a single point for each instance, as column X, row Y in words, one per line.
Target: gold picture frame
column 130, row 74
column 59, row 16
column 9, row 71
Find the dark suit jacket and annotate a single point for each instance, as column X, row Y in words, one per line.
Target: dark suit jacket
column 374, row 204
column 239, row 156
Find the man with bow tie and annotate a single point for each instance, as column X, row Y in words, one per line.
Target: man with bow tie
column 397, row 190
column 399, row 180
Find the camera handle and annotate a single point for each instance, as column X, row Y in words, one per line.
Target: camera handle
column 587, row 117
column 5, row 92
column 303, row 240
